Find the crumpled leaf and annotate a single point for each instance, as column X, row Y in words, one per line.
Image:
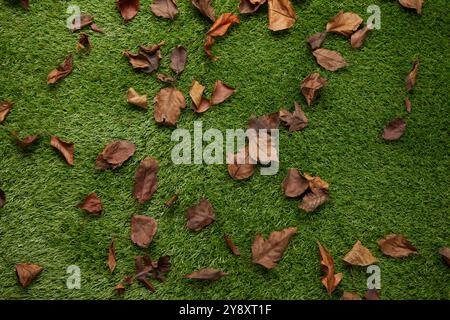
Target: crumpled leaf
column 143, row 229
column 232, row 246
column 26, row 272
column 204, row 6
column 444, row 251
column 396, row 246
column 168, row 103
column 344, row 23
column 134, row 98
column 316, row 40
column 128, row 8
column 372, row 294
column 84, row 43
column 412, row 4
column 330, row 280
column 2, row 198
column 165, row 78
column 91, row 204
column 206, row 274
column 62, row 71
column 412, row 76
column 408, row 105
column 394, row 129
column 221, row 92
column 115, row 154
column 147, row 59
column 155, row 269
column 329, row 59
column 66, row 149
column 208, row 48
column 281, row 15
column 5, row 108
column 360, row 256
column 218, row 29
column 268, row 252
column 350, row 296
column 262, row 147
column 178, row 59
column 311, row 85
column 200, row 215
column 240, row 165
column 164, row 8
column 297, row 120
column 318, row 195
column 25, row 142
column 84, row 21
column 249, row 6
column 112, row 256
column 145, row 180
column 96, row 28
column 357, row 39
column 294, row 185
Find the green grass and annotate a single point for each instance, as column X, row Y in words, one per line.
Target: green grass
column 377, row 188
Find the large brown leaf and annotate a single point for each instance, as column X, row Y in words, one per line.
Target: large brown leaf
column 91, row 204
column 145, row 180
column 240, row 165
column 412, row 76
column 84, row 21
column 360, row 256
column 178, row 59
column 115, row 154
column 396, row 246
column 316, row 40
column 62, row 71
column 330, row 280
column 311, row 85
column 164, row 8
column 294, row 185
column 66, row 149
column 171, row 201
column 134, row 98
column 26, row 272
column 444, row 251
column 329, row 59
column 168, row 103
column 344, row 23
column 25, row 142
column 281, row 15
column 112, row 256
column 2, row 198
column 128, row 8
column 394, row 129
column 357, row 39
column 200, row 215
column 232, row 246
column 204, row 6
column 297, row 120
column 143, row 229
column 147, row 59
column 412, row 4
column 5, row 108
column 221, row 92
column 268, row 252
column 206, row 274
column 250, row 6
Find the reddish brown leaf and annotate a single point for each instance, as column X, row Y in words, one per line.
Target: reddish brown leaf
column 115, row 154
column 62, row 71
column 250, row 6
column 143, row 229
column 344, row 23
column 134, row 98
column 145, row 180
column 329, row 59
column 25, row 142
column 240, row 165
column 171, row 201
column 26, row 272
column 396, row 246
column 294, row 185
column 91, row 204
column 96, row 28
column 360, row 256
column 147, row 59
column 357, row 39
column 311, row 85
column 408, row 105
column 84, row 43
column 2, row 198
column 296, row 121
column 146, row 268
column 444, row 251
column 281, row 15
column 168, row 103
column 318, row 195
column 372, row 294
column 267, row 122
column 412, row 76
column 204, row 6
column 232, row 246
column 199, row 103
column 221, row 92
column 330, row 280
column 206, row 274
column 316, row 40
column 178, row 59
column 66, row 149
column 268, row 252
column 350, row 296
column 128, row 8
column 412, row 4
column 165, row 78
column 5, row 108
column 208, row 46
column 221, row 26
column 164, row 8
column 200, row 215
column 112, row 256
column 119, row 289
column 394, row 129
column 81, row 21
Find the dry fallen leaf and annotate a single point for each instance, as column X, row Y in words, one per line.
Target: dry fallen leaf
column 221, row 92
column 206, row 274
column 372, row 294
column 281, row 15
column 145, row 180
column 232, row 246
column 344, row 23
column 294, row 185
column 25, row 4
column 81, row 21
column 2, row 198
column 408, row 105
column 318, row 195
column 178, row 59
column 196, row 94
column 394, row 129
column 91, row 204
column 128, row 8
column 396, row 246
column 164, row 8
column 444, row 251
column 66, row 149
column 330, row 280
column 134, row 98
column 115, row 154
column 262, row 148
column 26, row 272
column 218, row 29
column 165, row 78
column 112, row 256
column 208, row 48
column 357, row 39
column 154, row 269
column 204, row 6
column 412, row 76
column 350, row 296
column 62, row 71
column 316, row 40
column 147, row 59
column 329, row 59
column 250, row 6
column 268, row 252
column 168, row 103
column 119, row 289
column 171, row 201
column 200, row 215
column 5, row 108
column 360, row 256
column 412, row 4
column 143, row 229
column 297, row 120
column 84, row 43
column 25, row 142
column 96, row 28
column 240, row 165
column 311, row 85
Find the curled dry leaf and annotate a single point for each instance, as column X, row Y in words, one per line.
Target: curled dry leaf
column 134, row 98
column 112, row 256
column 62, row 71
column 84, row 43
column 294, row 185
column 268, row 252
column 372, row 294
column 396, row 246
column 394, row 129
column 143, row 229
column 444, row 251
column 281, row 15
column 2, row 198
column 412, row 4
column 91, row 204
column 240, row 165
column 165, row 78
column 96, row 28
column 250, row 6
column 146, row 268
column 232, row 246
column 329, row 59
column 145, row 180
column 147, row 59
column 344, row 23
column 297, row 120
column 178, row 59
column 81, row 21
column 200, row 215
column 318, row 195
column 350, row 296
column 208, row 48
column 5, row 108
column 26, row 272
column 171, row 201
column 262, row 148
column 128, row 8
column 316, row 40
column 196, row 94
column 204, row 6
column 66, row 149
column 408, row 105
column 115, row 154
column 357, row 39
column 412, row 76
column 330, row 280
column 164, row 8
column 25, row 142
column 168, row 103
column 311, row 85
column 218, row 29
column 221, row 92
column 206, row 274
column 360, row 256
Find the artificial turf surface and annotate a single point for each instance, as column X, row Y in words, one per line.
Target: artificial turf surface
column 377, row 188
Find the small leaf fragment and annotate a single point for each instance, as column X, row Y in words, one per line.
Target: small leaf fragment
column 134, row 98
column 65, row 148
column 112, row 256
column 311, row 85
column 394, row 129
column 62, row 71
column 207, row 274
column 91, row 204
column 5, row 109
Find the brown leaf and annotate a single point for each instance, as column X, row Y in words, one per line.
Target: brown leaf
column 145, row 180
column 444, row 251
column 25, row 4
column 296, row 121
column 221, row 26
column 2, row 198
column 128, row 8
column 408, row 105
column 394, row 129
column 221, row 92
column 204, row 6
column 357, row 39
column 146, row 268
column 171, row 201
column 119, row 289
column 316, row 184
column 344, row 23
column 26, row 272
column 115, row 154
column 25, row 142
column 267, row 122
column 200, row 215
column 412, row 4
column 96, row 28
column 143, row 229
column 316, row 40
column 112, row 256
column 311, row 85
column 318, row 195
column 232, row 246
column 206, row 274
column 196, row 94
column 5, row 108
column 372, row 294
column 62, row 71
column 294, row 185
column 168, row 103
column 330, row 280
column 360, row 256
column 164, row 8
column 84, row 43
column 268, row 252
column 66, row 149
column 412, row 76
column 147, row 59
column 396, row 246
column 91, row 204
column 208, row 46
column 165, row 78
column 240, row 165
column 329, row 59
column 247, row 6
column 134, row 98
column 178, row 59
column 350, row 296
column 281, row 15
column 84, row 19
